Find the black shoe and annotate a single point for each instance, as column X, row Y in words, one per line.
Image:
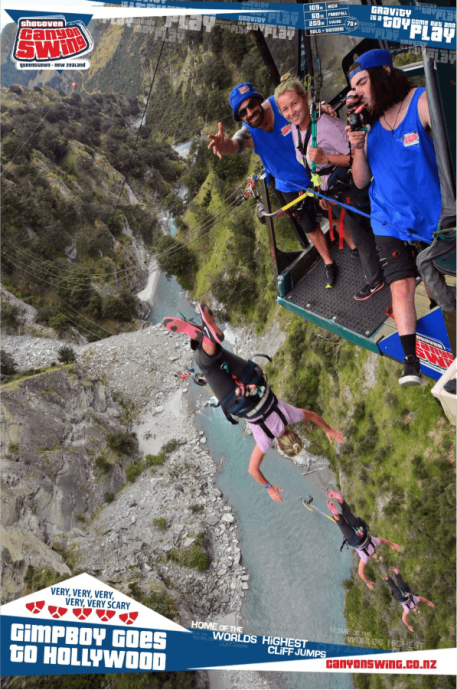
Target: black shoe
column 331, row 271
column 368, row 290
column 450, row 386
column 355, row 253
column 411, row 372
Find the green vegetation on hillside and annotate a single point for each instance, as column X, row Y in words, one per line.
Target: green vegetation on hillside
column 66, row 228
column 195, row 79
column 397, row 471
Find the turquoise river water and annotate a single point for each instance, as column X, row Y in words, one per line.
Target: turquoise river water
column 291, row 554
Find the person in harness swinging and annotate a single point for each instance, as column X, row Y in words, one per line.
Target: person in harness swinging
column 333, row 158
column 401, row 591
column 242, row 391
column 355, row 532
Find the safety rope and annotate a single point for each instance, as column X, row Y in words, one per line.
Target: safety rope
column 313, row 192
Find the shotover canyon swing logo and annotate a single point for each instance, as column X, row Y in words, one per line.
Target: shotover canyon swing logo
column 44, row 40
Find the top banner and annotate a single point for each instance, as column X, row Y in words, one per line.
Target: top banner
column 424, row 26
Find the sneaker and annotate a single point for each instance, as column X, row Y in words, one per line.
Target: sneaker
column 209, row 327
column 450, row 386
column 335, row 494
column 411, row 372
column 176, row 325
column 331, row 271
column 368, row 290
column 335, row 508
column 355, row 253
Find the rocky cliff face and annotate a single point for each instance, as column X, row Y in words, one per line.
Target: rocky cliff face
column 167, row 535
column 53, row 425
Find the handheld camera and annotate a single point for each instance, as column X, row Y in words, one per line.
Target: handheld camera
column 354, row 117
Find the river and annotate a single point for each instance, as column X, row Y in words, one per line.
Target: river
column 291, row 554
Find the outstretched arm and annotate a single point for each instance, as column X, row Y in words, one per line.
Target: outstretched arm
column 254, row 470
column 395, row 547
column 332, row 434
column 426, row 601
column 405, row 621
column 224, row 145
column 361, row 573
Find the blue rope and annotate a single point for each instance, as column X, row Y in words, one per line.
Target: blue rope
column 349, row 208
column 355, row 210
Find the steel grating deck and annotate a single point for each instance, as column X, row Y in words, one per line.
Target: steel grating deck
column 338, row 304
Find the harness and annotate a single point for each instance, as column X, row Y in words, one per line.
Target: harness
column 357, row 541
column 340, row 181
column 255, row 395
column 384, row 260
column 405, row 598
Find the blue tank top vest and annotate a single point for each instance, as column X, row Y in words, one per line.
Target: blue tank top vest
column 277, row 151
column 405, row 190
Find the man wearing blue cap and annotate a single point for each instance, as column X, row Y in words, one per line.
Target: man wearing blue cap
column 269, row 134
column 399, row 154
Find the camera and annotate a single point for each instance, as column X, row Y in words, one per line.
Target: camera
column 354, row 110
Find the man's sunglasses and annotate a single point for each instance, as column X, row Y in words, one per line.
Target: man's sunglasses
column 250, row 106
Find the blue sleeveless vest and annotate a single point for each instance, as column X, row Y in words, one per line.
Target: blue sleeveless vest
column 277, row 151
column 405, row 190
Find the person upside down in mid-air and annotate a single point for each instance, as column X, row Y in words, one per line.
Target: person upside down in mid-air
column 401, row 591
column 241, row 389
column 355, row 532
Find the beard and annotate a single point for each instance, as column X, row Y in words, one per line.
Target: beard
column 257, row 117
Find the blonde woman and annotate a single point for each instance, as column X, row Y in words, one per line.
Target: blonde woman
column 333, row 150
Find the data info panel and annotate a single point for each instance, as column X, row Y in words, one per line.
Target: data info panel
column 329, row 18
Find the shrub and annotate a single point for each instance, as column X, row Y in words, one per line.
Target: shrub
column 133, row 470
column 66, row 354
column 95, row 243
column 108, row 497
column 9, row 315
column 195, row 556
column 155, row 459
column 175, row 258
column 13, row 448
column 116, row 308
column 170, row 446
column 230, row 167
column 347, row 584
column 8, row 365
column 161, row 523
column 32, row 372
column 103, row 464
column 122, row 442
column 196, row 507
column 202, row 562
column 59, row 323
column 235, row 288
column 81, row 517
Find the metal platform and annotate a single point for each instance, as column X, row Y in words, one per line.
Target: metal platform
column 338, row 304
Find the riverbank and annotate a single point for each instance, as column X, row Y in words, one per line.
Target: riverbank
column 147, row 294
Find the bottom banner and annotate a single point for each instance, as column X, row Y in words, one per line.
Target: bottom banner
column 85, row 626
